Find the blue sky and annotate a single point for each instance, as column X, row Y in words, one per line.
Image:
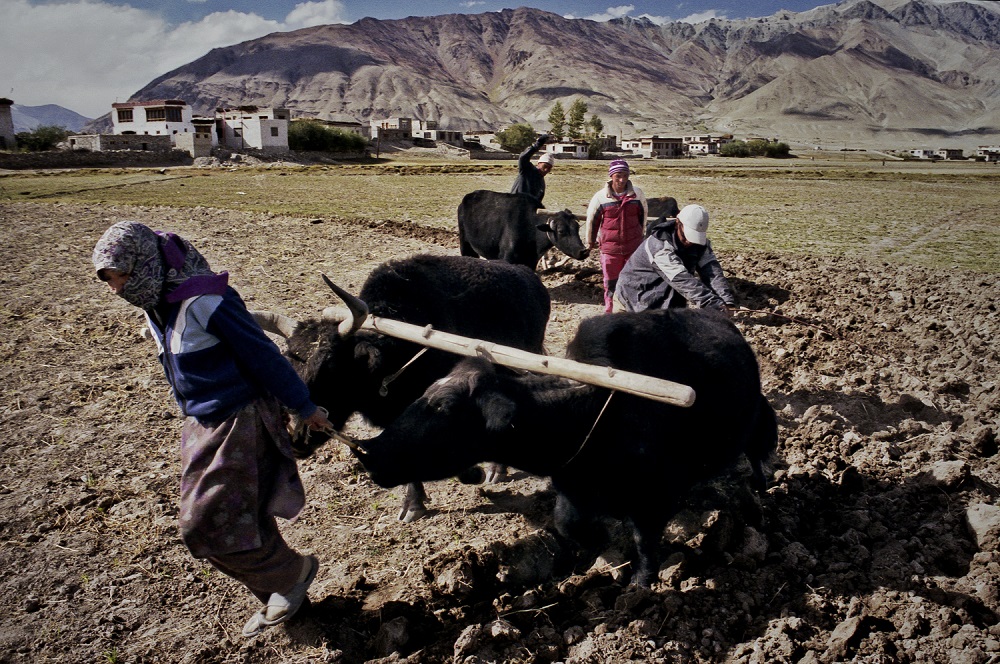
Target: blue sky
column 87, row 54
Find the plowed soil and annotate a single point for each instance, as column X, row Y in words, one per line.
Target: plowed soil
column 877, row 540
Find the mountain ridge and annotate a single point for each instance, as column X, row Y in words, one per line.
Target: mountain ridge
column 863, row 72
column 29, row 118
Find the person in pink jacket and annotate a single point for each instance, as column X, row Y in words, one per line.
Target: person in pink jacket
column 615, row 221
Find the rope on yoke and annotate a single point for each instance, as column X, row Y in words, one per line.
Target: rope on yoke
column 589, row 433
column 384, row 389
column 301, row 428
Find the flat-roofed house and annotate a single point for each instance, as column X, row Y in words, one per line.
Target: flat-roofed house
column 161, row 117
column 255, row 127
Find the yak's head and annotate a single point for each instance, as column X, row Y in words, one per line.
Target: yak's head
column 563, row 231
column 330, row 359
column 458, row 422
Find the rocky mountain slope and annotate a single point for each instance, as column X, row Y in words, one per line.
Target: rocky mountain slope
column 889, row 73
column 28, row 118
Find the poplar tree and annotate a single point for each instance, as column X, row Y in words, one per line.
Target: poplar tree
column 557, row 118
column 577, row 115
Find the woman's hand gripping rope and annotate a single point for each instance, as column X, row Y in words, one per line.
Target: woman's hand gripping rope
column 320, row 421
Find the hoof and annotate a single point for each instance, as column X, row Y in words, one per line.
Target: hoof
column 411, row 514
column 473, row 475
column 495, row 472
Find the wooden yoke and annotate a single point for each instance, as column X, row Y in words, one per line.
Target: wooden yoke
column 649, row 387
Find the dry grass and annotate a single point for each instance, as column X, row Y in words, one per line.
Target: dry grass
column 936, row 215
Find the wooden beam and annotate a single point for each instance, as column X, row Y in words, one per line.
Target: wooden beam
column 649, row 387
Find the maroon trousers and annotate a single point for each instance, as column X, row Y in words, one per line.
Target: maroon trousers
column 236, row 477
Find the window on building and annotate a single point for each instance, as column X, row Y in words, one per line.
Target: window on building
column 274, row 131
column 124, row 115
column 173, row 114
column 156, row 114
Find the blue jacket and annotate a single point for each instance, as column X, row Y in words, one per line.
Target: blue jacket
column 662, row 273
column 217, row 359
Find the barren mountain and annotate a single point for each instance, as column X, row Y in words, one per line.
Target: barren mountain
column 886, row 74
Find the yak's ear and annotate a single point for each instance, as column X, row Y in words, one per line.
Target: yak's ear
column 498, row 410
column 369, row 355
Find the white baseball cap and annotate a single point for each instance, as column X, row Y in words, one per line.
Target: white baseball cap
column 547, row 158
column 695, row 220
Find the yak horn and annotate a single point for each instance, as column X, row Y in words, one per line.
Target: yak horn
column 358, row 310
column 276, row 323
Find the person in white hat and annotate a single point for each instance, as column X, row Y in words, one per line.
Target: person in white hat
column 675, row 267
column 531, row 178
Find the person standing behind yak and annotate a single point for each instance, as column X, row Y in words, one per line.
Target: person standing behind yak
column 615, row 220
column 237, row 468
column 530, row 178
column 675, row 267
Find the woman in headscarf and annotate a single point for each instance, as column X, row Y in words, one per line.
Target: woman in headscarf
column 615, row 220
column 230, row 381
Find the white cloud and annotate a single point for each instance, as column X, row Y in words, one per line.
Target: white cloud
column 625, row 10
column 308, row 14
column 691, row 18
column 610, row 13
column 472, row 3
column 96, row 53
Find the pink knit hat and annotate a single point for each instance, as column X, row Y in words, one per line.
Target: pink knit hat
column 617, row 166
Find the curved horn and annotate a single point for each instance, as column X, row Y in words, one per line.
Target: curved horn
column 275, row 323
column 358, row 309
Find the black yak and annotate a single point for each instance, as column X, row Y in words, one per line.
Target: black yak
column 625, row 457
column 352, row 370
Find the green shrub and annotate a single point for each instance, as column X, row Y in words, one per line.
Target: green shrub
column 735, row 149
column 42, row 138
column 777, row 150
column 314, row 136
column 755, row 148
column 516, row 137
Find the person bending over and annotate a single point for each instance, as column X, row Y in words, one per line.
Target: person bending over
column 675, row 267
column 230, row 381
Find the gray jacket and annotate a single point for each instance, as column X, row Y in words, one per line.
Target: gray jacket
column 662, row 273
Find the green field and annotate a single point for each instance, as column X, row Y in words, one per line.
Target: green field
column 940, row 215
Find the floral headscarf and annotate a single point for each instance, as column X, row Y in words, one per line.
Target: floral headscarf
column 160, row 265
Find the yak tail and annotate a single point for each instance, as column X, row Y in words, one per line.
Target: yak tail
column 763, row 442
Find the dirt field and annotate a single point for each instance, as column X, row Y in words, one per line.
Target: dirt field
column 876, row 542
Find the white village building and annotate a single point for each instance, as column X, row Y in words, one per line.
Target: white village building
column 238, row 128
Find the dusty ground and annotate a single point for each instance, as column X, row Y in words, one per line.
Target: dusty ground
column 876, row 542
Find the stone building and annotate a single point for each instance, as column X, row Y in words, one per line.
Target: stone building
column 108, row 142
column 8, row 141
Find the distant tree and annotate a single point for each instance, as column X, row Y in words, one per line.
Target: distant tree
column 314, row 136
column 516, row 137
column 42, row 138
column 577, row 115
column 595, row 126
column 777, row 150
column 757, row 147
column 735, row 149
column 595, row 148
column 557, row 119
